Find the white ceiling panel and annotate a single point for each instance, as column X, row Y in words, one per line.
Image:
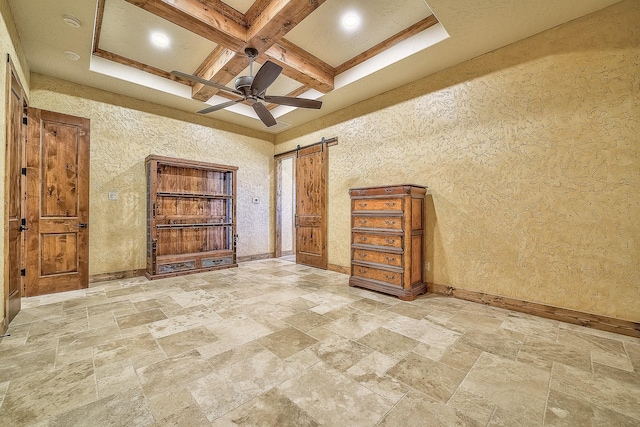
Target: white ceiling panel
column 240, row 5
column 323, row 35
column 127, row 30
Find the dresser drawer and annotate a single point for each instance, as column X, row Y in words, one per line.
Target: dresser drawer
column 382, row 222
column 388, row 258
column 392, row 277
column 376, row 205
column 377, row 240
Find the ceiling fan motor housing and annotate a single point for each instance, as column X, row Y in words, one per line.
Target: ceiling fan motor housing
column 243, row 84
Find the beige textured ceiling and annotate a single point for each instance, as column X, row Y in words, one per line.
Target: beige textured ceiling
column 466, row 28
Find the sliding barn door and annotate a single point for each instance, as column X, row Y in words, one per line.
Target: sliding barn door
column 311, row 206
column 57, row 203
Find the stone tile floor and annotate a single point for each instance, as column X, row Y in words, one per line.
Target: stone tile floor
column 272, row 343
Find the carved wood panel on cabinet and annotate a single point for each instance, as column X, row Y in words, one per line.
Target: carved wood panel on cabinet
column 191, row 216
column 387, row 229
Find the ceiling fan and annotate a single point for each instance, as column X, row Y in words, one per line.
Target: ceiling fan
column 252, row 89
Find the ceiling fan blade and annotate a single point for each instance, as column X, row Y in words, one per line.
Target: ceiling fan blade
column 266, row 75
column 294, row 102
column 204, row 82
column 219, row 106
column 264, row 114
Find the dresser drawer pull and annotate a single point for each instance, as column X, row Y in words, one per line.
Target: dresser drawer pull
column 390, row 258
column 362, row 239
column 390, row 241
column 389, row 222
column 390, row 276
column 362, row 205
column 362, row 255
column 389, row 190
column 362, row 221
column 390, row 204
column 361, row 271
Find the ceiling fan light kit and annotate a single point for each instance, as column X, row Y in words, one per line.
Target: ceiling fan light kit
column 252, row 89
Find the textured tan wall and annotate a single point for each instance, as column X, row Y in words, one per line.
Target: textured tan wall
column 531, row 153
column 9, row 44
column 121, row 138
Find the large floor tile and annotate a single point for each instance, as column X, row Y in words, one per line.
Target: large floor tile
column 515, row 386
column 45, row 394
column 605, row 392
column 432, row 378
column 125, row 409
column 287, row 342
column 564, row 410
column 334, row 399
column 224, row 390
column 268, row 410
column 419, row 410
column 167, row 374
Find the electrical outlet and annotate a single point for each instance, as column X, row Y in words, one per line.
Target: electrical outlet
column 428, row 266
column 113, row 195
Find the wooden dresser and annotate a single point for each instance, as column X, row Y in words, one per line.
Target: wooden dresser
column 191, row 217
column 387, row 230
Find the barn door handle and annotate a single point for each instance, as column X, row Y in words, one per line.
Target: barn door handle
column 23, row 224
column 82, row 225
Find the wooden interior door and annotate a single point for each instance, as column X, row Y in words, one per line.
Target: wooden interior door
column 57, row 203
column 14, row 194
column 311, row 205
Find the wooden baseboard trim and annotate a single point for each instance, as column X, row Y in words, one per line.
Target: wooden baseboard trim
column 338, row 268
column 256, row 257
column 117, row 275
column 595, row 321
column 287, row 253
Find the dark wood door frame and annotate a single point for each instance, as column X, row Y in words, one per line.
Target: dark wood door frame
column 14, row 194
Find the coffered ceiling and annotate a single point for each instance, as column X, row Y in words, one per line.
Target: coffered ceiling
column 392, row 43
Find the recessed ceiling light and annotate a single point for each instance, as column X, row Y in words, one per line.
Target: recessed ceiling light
column 71, row 56
column 160, row 39
column 351, row 20
column 71, row 21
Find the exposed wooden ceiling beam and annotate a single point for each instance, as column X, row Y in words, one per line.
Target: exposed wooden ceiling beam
column 114, row 57
column 199, row 18
column 215, row 66
column 98, row 26
column 226, row 10
column 381, row 47
column 300, row 65
column 266, row 27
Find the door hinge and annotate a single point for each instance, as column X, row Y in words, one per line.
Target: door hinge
column 24, row 120
column 24, row 171
column 23, row 272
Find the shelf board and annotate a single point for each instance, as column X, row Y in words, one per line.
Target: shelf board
column 195, row 225
column 193, row 255
column 193, row 195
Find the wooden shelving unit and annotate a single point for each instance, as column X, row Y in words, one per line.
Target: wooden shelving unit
column 191, row 216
